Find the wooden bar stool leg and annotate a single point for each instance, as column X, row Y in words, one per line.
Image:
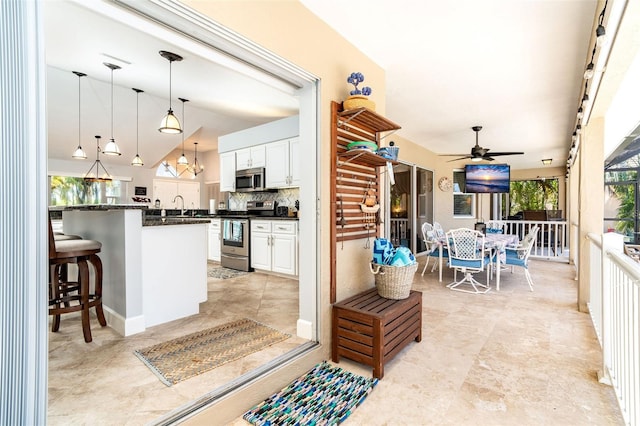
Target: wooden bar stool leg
column 54, row 290
column 83, row 275
column 97, row 265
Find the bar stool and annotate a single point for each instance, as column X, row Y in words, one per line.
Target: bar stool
column 65, row 296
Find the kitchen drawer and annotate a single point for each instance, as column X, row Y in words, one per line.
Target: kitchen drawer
column 282, row 227
column 215, row 225
column 261, row 226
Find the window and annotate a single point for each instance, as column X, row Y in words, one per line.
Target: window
column 536, row 194
column 69, row 190
column 463, row 204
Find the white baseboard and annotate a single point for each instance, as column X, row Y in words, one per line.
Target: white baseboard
column 124, row 326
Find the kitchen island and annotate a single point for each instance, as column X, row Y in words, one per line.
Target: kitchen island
column 154, row 270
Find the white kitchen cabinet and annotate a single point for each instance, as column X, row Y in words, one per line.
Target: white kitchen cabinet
column 228, row 171
column 250, row 158
column 167, row 190
column 214, row 240
column 274, row 246
column 282, row 163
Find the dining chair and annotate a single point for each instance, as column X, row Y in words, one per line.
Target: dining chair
column 467, row 254
column 441, row 236
column 430, row 241
column 519, row 256
column 495, row 226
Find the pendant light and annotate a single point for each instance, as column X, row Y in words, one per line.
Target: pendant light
column 183, row 160
column 137, row 161
column 196, row 167
column 79, row 153
column 90, row 176
column 111, row 148
column 170, row 123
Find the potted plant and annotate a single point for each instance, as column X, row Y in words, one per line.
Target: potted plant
column 358, row 97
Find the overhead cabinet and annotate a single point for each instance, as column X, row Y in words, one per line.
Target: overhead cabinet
column 283, row 163
column 228, row 171
column 274, row 246
column 250, row 158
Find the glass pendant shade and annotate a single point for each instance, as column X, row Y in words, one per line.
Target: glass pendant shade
column 79, row 153
column 111, row 148
column 183, row 160
column 170, row 123
column 137, row 160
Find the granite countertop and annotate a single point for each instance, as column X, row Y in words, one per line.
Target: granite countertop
column 173, row 220
column 107, row 207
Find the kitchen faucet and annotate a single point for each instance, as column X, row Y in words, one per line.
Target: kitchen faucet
column 182, row 210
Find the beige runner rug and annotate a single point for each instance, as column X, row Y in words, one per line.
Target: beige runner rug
column 182, row 358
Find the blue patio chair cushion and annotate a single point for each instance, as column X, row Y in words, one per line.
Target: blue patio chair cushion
column 469, row 263
column 494, row 231
column 513, row 258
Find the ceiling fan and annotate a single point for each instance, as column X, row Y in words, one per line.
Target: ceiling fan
column 479, row 153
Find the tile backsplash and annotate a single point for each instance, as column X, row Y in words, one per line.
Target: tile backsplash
column 284, row 197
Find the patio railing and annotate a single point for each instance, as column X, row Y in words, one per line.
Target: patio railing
column 552, row 237
column 614, row 305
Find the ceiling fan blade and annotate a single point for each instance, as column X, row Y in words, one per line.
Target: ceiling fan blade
column 454, row 155
column 460, row 158
column 495, row 154
column 488, row 158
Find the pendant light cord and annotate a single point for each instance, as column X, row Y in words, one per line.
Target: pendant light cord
column 111, row 103
column 137, row 120
column 79, row 118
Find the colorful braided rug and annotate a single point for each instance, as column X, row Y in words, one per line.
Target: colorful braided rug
column 326, row 395
column 179, row 359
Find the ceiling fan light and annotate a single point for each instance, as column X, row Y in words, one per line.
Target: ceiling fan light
column 79, row 154
column 170, row 124
column 476, row 159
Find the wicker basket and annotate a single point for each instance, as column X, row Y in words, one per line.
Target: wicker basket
column 393, row 282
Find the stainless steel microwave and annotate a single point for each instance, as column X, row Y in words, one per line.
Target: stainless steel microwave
column 250, row 180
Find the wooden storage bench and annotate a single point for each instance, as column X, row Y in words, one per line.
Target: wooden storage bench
column 371, row 330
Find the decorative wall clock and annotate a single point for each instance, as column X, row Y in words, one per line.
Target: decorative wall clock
column 445, row 184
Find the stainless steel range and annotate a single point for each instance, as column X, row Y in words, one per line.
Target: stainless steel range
column 236, row 238
column 235, row 252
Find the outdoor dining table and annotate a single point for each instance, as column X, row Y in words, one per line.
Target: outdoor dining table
column 492, row 242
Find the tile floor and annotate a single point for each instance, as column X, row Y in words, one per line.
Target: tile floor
column 104, row 383
column 502, row 358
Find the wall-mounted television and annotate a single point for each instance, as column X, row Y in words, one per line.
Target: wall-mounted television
column 487, row 178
